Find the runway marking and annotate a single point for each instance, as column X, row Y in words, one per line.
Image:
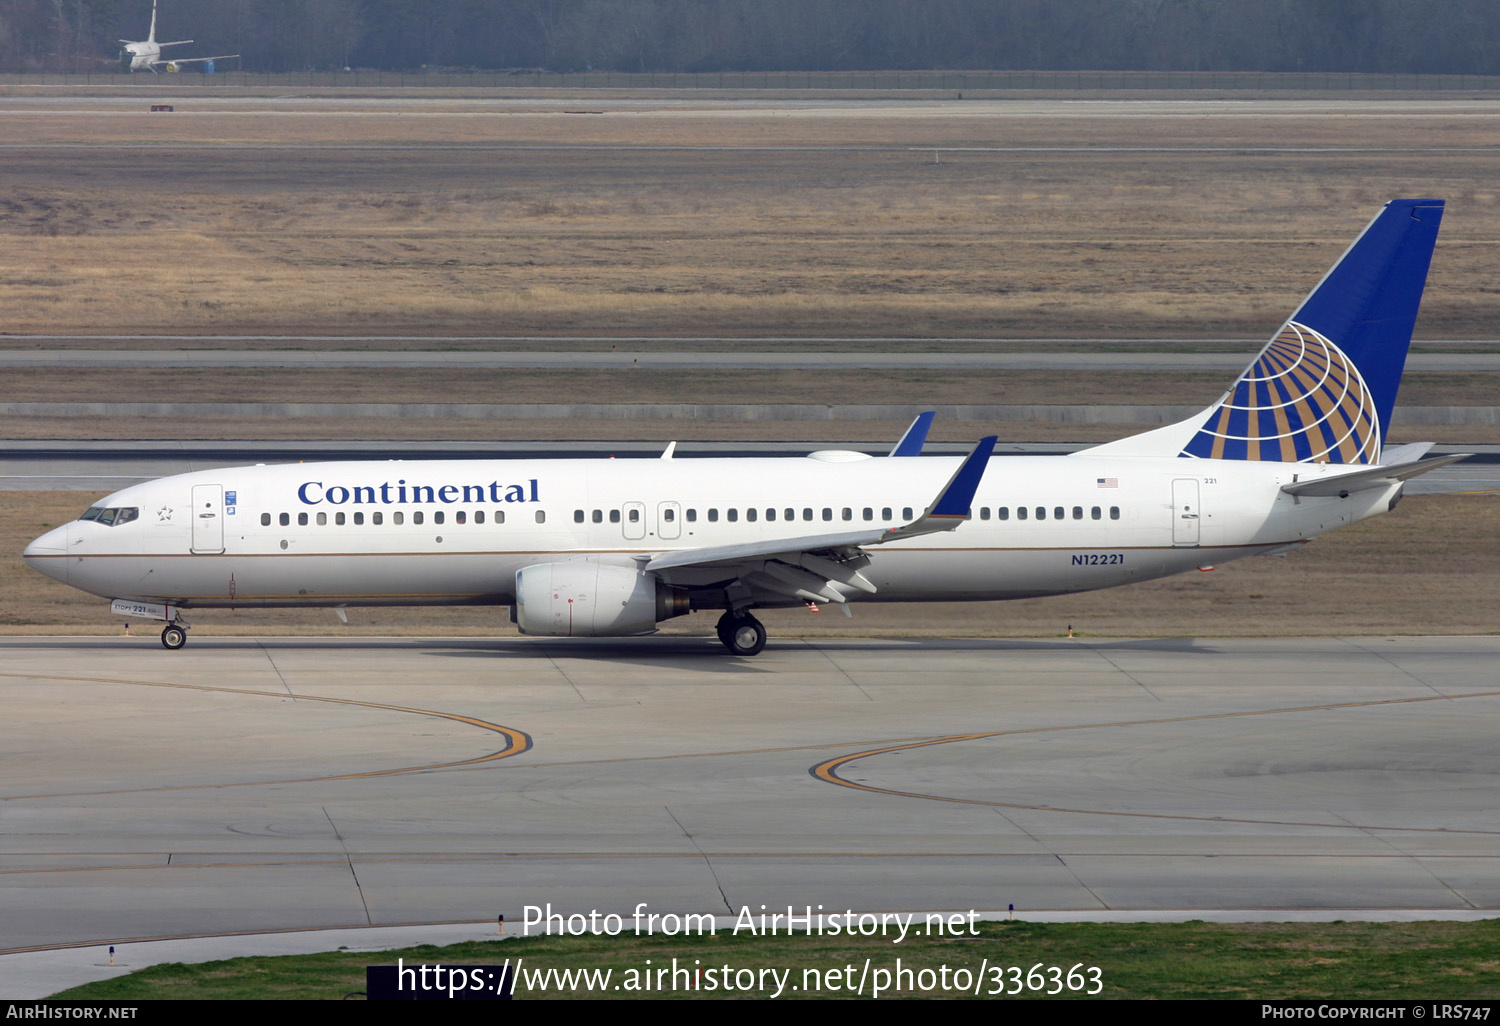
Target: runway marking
column 828, row 771
column 516, row 741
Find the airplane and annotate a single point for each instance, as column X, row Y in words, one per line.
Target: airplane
column 579, row 547
column 146, row 55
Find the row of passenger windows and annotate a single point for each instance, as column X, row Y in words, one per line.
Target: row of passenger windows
column 887, row 514
column 398, row 517
column 634, row 514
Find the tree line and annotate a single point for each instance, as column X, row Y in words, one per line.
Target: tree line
column 1371, row 36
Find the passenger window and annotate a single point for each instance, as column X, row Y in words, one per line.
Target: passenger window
column 1058, row 513
column 848, row 513
column 827, row 513
column 869, row 513
column 905, row 512
column 1077, row 512
column 752, row 514
column 416, row 516
column 459, row 517
column 541, row 516
column 597, row 517
column 301, row 519
column 438, row 517
column 984, row 512
column 806, row 513
column 578, row 516
column 359, row 518
column 692, row 516
column 789, row 514
column 713, row 516
column 1096, row 513
column 1020, row 512
column 377, row 518
column 322, row 519
column 614, row 516
column 265, row 518
column 771, row 513
column 1003, row 513
column 338, row 519
column 885, row 513
column 286, row 520
column 732, row 515
column 1041, row 512
column 1114, row 512
column 670, row 515
column 499, row 516
column 398, row 518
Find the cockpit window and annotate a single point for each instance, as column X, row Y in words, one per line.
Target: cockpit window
column 112, row 516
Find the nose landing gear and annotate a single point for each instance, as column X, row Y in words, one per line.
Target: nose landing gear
column 173, row 636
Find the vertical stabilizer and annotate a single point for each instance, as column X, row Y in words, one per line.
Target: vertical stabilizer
column 1323, row 388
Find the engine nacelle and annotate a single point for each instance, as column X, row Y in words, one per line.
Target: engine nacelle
column 587, row 599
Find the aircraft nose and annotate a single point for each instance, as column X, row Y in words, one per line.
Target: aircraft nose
column 48, row 553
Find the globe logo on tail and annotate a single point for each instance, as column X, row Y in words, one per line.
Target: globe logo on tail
column 1302, row 401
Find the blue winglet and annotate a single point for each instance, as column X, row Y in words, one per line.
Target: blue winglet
column 958, row 497
column 916, row 436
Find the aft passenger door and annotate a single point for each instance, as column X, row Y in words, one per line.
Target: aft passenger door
column 208, row 519
column 1185, row 512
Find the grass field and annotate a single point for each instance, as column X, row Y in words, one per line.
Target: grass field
column 1344, row 961
column 930, row 219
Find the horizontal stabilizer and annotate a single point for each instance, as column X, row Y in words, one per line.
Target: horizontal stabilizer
column 1375, row 477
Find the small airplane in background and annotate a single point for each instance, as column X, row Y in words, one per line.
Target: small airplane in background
column 145, row 55
column 578, row 548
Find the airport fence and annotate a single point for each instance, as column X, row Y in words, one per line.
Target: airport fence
column 787, row 81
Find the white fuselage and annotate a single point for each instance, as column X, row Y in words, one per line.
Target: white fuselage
column 456, row 532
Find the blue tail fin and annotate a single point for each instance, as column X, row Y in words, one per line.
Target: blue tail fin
column 1322, row 390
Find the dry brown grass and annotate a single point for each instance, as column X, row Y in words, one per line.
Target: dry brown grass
column 830, row 241
column 633, row 385
column 1428, row 568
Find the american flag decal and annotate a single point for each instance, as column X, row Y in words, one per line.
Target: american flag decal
column 1109, row 482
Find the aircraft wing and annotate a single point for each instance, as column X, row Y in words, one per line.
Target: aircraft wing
column 807, row 566
column 1373, row 477
column 191, row 60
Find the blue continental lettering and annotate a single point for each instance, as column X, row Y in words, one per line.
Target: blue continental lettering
column 315, row 493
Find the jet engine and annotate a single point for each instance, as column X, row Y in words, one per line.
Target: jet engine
column 588, row 599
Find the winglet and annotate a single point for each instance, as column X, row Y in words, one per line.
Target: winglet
column 916, row 436
column 952, row 505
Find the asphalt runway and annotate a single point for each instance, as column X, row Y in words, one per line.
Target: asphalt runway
column 253, row 785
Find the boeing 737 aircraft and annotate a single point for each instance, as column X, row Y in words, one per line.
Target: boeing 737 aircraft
column 145, row 54
column 612, row 547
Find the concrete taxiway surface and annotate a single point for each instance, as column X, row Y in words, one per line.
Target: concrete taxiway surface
column 298, row 783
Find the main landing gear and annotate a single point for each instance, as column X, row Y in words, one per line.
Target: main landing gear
column 173, row 636
column 741, row 633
